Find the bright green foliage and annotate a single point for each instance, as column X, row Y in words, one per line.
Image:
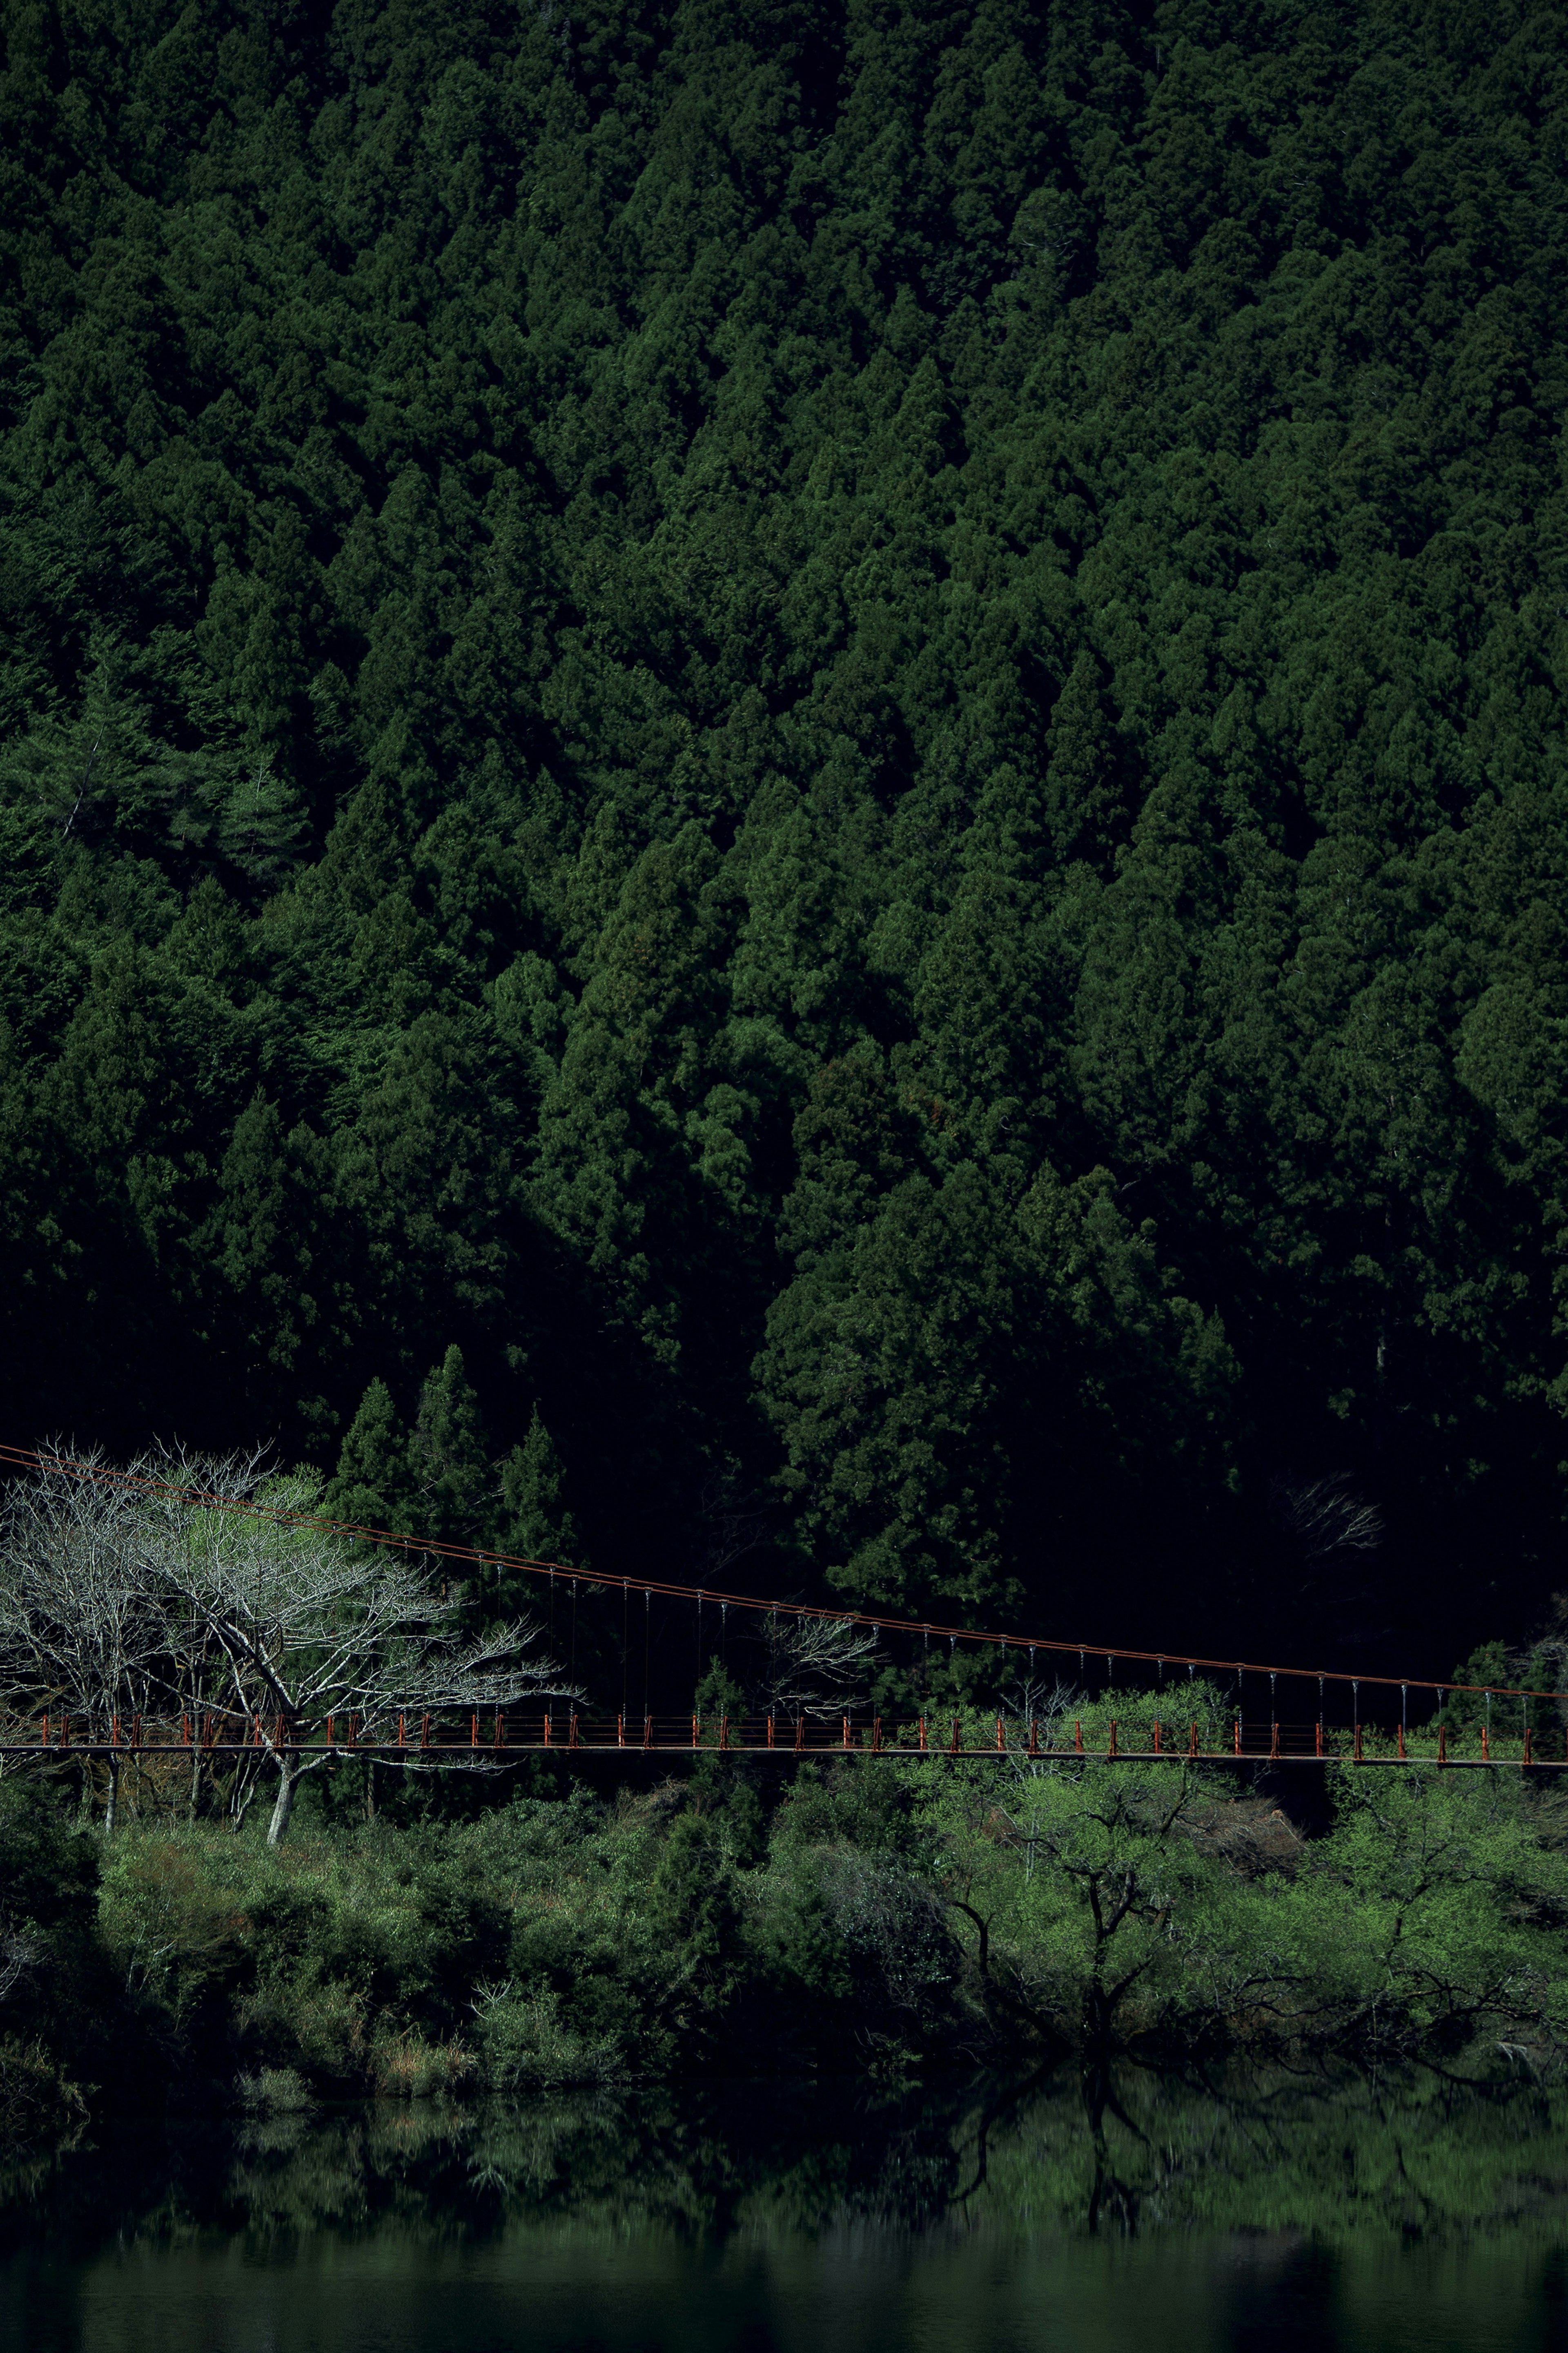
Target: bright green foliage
column 836, row 736
column 542, row 1943
column 1110, row 1903
column 1100, row 1921
column 880, row 1917
column 1441, row 1899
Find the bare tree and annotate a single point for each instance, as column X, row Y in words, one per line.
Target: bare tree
column 1327, row 1516
column 814, row 1666
column 300, row 1626
column 21, row 1952
column 171, row 1589
column 1051, row 1707
column 81, row 1629
column 733, row 1521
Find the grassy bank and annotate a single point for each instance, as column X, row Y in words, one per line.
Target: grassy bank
column 870, row 1917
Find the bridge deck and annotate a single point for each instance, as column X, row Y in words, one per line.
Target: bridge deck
column 426, row 1741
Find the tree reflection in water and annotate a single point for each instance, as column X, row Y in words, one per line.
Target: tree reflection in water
column 1114, row 2151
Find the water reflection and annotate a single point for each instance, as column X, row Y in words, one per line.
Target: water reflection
column 1146, row 2209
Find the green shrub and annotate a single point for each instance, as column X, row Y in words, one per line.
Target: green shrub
column 889, row 1914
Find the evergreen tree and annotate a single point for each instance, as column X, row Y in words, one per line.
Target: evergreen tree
column 1088, row 816
column 535, row 1523
column 447, row 1455
column 262, row 827
column 375, row 1485
column 889, row 775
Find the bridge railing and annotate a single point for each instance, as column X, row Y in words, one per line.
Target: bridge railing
column 491, row 1736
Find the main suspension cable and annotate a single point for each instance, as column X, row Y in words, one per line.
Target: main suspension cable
column 25, row 1458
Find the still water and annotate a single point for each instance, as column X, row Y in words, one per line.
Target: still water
column 1141, row 2213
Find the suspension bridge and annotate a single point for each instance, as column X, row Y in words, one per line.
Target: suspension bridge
column 1347, row 1716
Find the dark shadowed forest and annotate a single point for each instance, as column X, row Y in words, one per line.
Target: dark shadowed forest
column 783, row 793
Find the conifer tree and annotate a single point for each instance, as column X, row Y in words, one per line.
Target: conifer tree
column 447, row 1455
column 1082, row 787
column 536, row 1521
column 262, row 826
column 375, row 1485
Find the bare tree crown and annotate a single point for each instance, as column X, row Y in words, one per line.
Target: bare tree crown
column 124, row 1600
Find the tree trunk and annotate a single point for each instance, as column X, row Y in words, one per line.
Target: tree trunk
column 112, row 1804
column 283, row 1804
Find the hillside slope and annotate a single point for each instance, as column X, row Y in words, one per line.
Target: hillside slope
column 842, row 740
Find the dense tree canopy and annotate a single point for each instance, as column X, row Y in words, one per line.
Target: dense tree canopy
column 787, row 785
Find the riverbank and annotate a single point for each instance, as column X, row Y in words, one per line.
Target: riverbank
column 872, row 1918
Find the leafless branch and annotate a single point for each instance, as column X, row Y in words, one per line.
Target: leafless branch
column 114, row 1601
column 1327, row 1516
column 815, row 1666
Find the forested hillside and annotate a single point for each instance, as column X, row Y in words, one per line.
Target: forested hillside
column 836, row 732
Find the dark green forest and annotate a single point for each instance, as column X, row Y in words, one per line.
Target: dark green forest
column 836, row 737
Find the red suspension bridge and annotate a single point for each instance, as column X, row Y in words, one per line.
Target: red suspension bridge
column 482, row 1739
column 1142, row 1731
